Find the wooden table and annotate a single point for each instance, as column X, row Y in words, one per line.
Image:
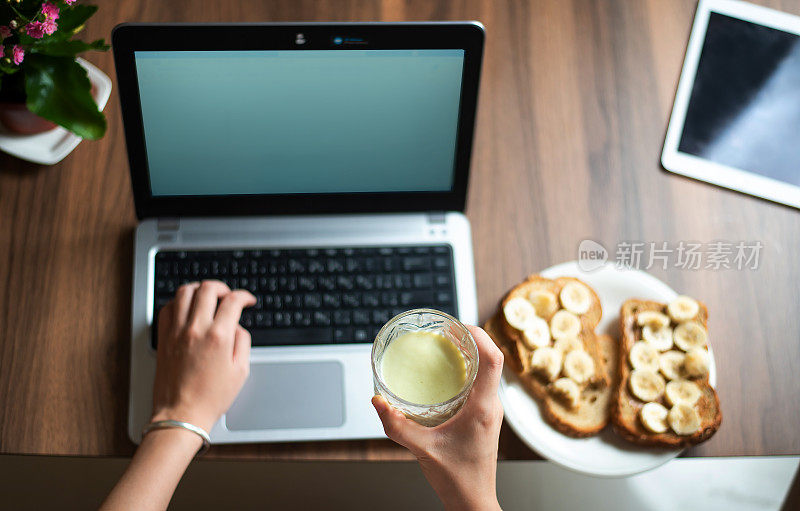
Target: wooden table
column 574, row 103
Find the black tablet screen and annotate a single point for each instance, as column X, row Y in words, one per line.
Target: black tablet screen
column 744, row 110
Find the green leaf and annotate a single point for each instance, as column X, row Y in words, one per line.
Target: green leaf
column 69, row 48
column 59, row 90
column 8, row 68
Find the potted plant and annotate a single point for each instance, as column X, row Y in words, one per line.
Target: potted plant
column 41, row 83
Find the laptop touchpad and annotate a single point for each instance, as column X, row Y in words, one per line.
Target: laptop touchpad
column 290, row 395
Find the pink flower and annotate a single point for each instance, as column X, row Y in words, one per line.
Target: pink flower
column 19, row 54
column 5, row 32
column 2, row 49
column 49, row 26
column 50, row 11
column 69, row 2
column 35, row 29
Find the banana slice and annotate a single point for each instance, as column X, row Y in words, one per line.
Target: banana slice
column 576, row 298
column 683, row 308
column 654, row 319
column 579, row 366
column 646, row 385
column 654, row 417
column 690, row 334
column 567, row 344
column 537, row 334
column 546, row 362
column 544, row 301
column 565, row 324
column 671, row 364
column 519, row 313
column 643, row 356
column 697, row 363
column 567, row 391
column 683, row 419
column 660, row 339
column 682, row 391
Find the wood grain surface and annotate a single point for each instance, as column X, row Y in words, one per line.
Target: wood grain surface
column 574, row 103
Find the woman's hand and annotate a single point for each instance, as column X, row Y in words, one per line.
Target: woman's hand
column 459, row 457
column 203, row 353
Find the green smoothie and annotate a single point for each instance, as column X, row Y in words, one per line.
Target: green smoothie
column 423, row 368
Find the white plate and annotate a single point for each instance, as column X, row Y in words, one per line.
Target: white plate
column 53, row 146
column 606, row 454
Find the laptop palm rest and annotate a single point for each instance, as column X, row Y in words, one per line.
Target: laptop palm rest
column 288, row 396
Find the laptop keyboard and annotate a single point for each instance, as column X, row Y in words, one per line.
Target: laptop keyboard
column 317, row 295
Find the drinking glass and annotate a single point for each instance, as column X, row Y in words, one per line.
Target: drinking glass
column 426, row 320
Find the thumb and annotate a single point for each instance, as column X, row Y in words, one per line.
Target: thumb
column 398, row 427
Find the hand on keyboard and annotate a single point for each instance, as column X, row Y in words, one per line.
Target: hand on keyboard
column 203, row 355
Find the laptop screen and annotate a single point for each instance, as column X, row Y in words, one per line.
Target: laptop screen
column 295, row 122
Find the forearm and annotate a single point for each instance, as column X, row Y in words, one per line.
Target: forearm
column 154, row 472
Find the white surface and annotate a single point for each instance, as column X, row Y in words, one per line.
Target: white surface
column 706, row 170
column 361, row 421
column 710, row 484
column 52, row 146
column 605, row 454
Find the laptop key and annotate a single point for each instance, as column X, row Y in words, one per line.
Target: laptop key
column 342, row 317
column 423, row 280
column 332, row 300
column 416, row 263
column 302, row 318
column 361, row 317
column 416, row 298
column 343, row 334
column 322, row 318
column 370, row 299
column 291, row 336
column 283, row 319
column 351, row 300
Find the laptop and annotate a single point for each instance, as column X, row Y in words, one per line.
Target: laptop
column 321, row 166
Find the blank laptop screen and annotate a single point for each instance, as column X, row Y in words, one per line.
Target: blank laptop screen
column 287, row 122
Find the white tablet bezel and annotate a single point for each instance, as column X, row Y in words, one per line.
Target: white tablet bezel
column 699, row 168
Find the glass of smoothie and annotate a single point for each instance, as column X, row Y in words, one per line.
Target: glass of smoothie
column 424, row 363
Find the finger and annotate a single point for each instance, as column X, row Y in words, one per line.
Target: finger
column 241, row 347
column 182, row 304
column 400, row 428
column 230, row 308
column 205, row 302
column 164, row 323
column 490, row 365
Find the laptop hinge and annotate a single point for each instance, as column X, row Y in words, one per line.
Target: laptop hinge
column 436, row 217
column 168, row 224
column 168, row 229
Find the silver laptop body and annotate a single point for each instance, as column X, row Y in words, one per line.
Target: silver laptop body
column 299, row 392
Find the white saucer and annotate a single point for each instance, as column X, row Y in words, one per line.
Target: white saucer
column 606, row 454
column 53, row 146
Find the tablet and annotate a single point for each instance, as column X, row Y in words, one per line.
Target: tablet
column 736, row 118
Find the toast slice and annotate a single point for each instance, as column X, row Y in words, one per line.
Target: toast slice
column 520, row 354
column 588, row 411
column 626, row 407
column 592, row 414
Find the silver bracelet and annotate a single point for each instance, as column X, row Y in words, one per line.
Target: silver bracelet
column 166, row 424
